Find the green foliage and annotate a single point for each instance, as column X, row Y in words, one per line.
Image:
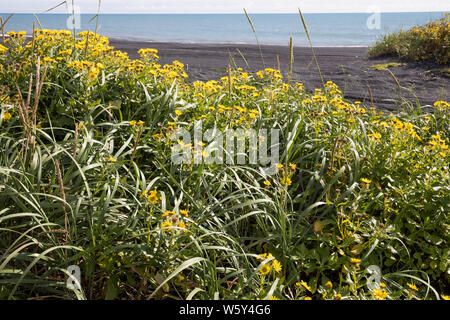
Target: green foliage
column 87, row 179
column 429, row 42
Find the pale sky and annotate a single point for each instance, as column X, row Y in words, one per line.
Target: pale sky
column 226, row 6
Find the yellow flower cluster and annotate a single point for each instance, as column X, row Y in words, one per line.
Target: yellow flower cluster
column 304, row 285
column 149, row 53
column 439, row 145
column 92, row 69
column 442, row 105
column 267, row 267
column 286, row 173
column 19, row 34
column 7, row 116
column 379, row 294
column 3, row 49
column 139, row 123
column 173, row 221
column 270, row 74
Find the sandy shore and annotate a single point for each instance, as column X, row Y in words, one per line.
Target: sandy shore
column 347, row 67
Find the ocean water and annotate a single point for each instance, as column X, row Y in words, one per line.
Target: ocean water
column 327, row 29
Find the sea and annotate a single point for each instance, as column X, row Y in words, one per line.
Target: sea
column 325, row 29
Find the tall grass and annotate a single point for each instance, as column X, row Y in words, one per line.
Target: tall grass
column 424, row 43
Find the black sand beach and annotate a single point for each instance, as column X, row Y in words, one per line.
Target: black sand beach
column 347, row 67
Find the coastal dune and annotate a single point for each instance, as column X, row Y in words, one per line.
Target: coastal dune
column 348, row 67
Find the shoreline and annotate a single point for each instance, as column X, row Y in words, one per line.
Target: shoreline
column 348, row 67
column 216, row 43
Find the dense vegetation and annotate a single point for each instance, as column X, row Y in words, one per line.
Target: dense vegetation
column 86, row 178
column 426, row 43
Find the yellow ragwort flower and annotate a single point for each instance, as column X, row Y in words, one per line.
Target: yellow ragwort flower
column 305, row 285
column 380, row 294
column 412, row 286
column 166, row 225
column 152, row 197
column 7, row 116
column 265, row 269
column 286, row 181
column 182, row 226
column 276, row 265
column 184, row 213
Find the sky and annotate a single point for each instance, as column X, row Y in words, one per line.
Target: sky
column 226, row 6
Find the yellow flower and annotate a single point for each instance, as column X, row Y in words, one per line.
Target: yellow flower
column 152, row 197
column 168, row 212
column 375, row 135
column 182, row 226
column 7, row 116
column 111, row 159
column 178, row 112
column 338, row 297
column 273, row 298
column 264, row 256
column 267, row 183
column 292, row 166
column 305, row 285
column 306, row 101
column 329, row 285
column 265, row 269
column 380, row 294
column 355, row 261
column 143, row 194
column 445, row 297
column 365, row 180
column 276, row 265
column 383, row 285
column 133, row 122
column 49, row 60
column 3, row 49
column 286, row 181
column 166, row 225
column 412, row 286
column 307, row 298
column 184, row 213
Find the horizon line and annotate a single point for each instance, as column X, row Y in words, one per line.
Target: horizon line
column 198, row 13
